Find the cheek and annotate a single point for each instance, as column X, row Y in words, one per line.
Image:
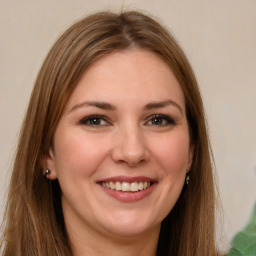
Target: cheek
column 78, row 154
column 171, row 152
column 171, row 156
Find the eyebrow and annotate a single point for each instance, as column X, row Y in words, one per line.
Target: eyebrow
column 162, row 104
column 108, row 106
column 97, row 104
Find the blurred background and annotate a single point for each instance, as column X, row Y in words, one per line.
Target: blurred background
column 219, row 38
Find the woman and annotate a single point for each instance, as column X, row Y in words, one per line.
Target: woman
column 113, row 155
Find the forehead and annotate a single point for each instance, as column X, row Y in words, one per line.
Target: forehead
column 132, row 74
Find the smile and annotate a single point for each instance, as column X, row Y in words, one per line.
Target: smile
column 126, row 186
column 128, row 189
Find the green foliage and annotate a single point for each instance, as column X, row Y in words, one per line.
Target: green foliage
column 244, row 242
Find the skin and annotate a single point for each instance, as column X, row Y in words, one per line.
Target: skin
column 126, row 139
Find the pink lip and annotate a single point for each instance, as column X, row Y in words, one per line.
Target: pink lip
column 127, row 179
column 128, row 197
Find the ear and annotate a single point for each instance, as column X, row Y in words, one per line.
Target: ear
column 190, row 156
column 49, row 164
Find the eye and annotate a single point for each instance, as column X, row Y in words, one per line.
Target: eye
column 94, row 120
column 160, row 120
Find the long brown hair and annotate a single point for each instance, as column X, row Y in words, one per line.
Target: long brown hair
column 34, row 222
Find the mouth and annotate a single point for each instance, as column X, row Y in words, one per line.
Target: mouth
column 134, row 186
column 128, row 189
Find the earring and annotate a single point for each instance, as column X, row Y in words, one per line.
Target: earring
column 46, row 173
column 187, row 179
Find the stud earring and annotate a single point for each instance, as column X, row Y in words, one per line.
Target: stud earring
column 46, row 173
column 187, row 178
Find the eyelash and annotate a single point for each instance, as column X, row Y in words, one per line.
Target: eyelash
column 164, row 118
column 92, row 118
column 95, row 120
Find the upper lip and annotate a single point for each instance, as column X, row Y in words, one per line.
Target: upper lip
column 128, row 179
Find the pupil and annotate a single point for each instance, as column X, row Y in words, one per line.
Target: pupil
column 95, row 121
column 157, row 121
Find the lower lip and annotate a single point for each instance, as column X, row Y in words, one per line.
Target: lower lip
column 129, row 197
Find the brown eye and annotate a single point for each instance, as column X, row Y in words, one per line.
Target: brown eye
column 160, row 120
column 94, row 120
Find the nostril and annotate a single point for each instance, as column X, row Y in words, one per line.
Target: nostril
column 130, row 149
column 131, row 163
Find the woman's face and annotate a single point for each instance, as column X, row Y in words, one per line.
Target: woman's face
column 122, row 148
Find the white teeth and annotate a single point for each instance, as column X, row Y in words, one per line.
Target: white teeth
column 126, row 186
column 141, row 186
column 134, row 186
column 112, row 185
column 118, row 186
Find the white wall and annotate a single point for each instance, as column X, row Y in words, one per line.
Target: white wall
column 219, row 38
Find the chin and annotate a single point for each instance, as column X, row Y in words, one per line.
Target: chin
column 129, row 226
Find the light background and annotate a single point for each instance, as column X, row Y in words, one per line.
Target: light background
column 219, row 38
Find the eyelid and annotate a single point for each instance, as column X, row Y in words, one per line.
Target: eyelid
column 91, row 117
column 169, row 119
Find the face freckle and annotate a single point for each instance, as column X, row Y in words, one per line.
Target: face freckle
column 122, row 148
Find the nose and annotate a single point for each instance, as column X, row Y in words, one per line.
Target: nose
column 130, row 148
